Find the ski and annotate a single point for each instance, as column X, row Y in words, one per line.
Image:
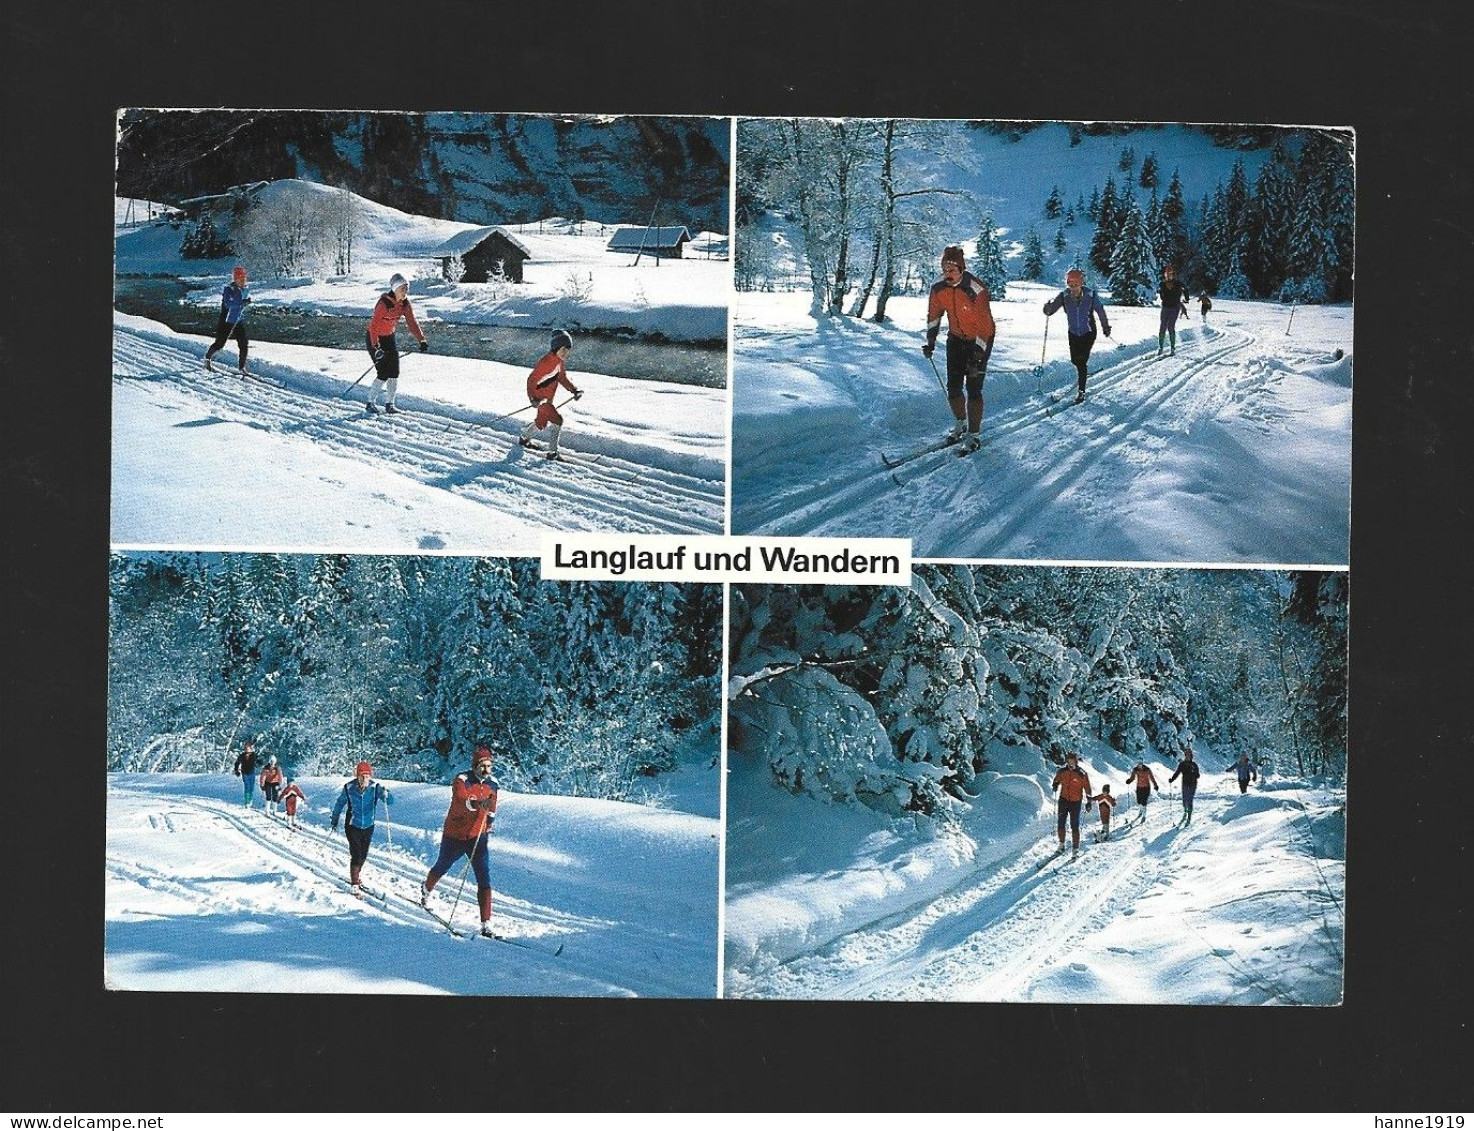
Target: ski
column 525, row 944
column 917, row 453
column 563, row 457
column 964, row 452
column 1048, row 860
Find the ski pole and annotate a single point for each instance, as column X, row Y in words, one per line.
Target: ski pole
column 938, row 372
column 514, row 412
column 1043, row 350
column 466, row 867
column 361, row 376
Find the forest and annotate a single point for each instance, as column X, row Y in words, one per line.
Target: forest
column 870, row 213
column 898, row 699
column 584, row 689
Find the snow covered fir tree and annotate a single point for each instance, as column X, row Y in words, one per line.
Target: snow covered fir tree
column 593, row 690
column 897, row 749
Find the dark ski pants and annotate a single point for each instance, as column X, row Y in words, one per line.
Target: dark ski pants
column 272, row 792
column 1080, row 347
column 1188, row 793
column 1069, row 810
column 1243, row 785
column 248, row 783
column 224, row 331
column 453, row 849
column 1168, row 326
column 358, row 846
column 386, row 368
column 967, row 365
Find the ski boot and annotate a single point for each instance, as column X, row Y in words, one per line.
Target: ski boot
column 958, row 431
column 969, row 444
column 372, row 409
column 392, row 409
column 486, row 931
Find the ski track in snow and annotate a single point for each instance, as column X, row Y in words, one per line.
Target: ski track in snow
column 612, row 493
column 1054, row 479
column 314, row 863
column 991, row 939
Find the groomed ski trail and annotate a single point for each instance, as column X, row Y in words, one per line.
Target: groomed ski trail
column 481, row 464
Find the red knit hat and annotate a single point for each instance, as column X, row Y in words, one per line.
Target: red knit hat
column 239, row 274
column 364, row 768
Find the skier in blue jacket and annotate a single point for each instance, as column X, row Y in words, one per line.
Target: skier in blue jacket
column 360, row 797
column 1081, row 306
column 232, row 324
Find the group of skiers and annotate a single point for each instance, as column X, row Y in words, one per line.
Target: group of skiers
column 1073, row 786
column 547, row 376
column 965, row 301
column 468, row 821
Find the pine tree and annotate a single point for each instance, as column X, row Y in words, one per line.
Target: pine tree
column 988, row 262
column 1107, row 229
column 1148, row 179
column 1053, row 207
column 1130, row 280
column 1172, row 238
column 1033, row 265
column 1059, row 239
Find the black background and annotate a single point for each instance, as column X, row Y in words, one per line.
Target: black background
column 1401, row 78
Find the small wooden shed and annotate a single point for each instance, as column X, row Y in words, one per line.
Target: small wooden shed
column 664, row 243
column 481, row 249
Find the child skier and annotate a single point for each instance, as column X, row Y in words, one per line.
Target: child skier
column 271, row 779
column 1107, row 803
column 232, row 324
column 1145, row 781
column 290, row 796
column 360, row 797
column 550, row 372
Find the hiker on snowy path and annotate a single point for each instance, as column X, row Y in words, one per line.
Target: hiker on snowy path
column 360, row 797
column 1073, row 785
column 964, row 299
column 1145, row 781
column 1245, row 771
column 232, row 324
column 393, row 305
column 1081, row 306
column 1190, row 771
column 290, row 796
column 1107, row 805
column 466, row 831
column 547, row 375
column 271, row 779
column 1174, row 302
column 245, row 769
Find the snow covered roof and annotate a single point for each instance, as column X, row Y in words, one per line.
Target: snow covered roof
column 462, row 242
column 232, row 193
column 632, row 239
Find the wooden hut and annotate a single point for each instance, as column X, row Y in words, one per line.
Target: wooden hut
column 663, row 243
column 481, row 249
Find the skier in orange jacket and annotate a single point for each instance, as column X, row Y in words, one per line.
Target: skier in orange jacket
column 964, row 299
column 1073, row 785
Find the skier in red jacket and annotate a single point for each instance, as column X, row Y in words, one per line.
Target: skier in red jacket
column 393, row 305
column 1107, row 805
column 290, row 796
column 547, row 375
column 467, row 826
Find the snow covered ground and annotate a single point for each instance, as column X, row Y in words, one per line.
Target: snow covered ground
column 211, row 460
column 570, row 280
column 1244, row 906
column 202, row 895
column 1238, row 449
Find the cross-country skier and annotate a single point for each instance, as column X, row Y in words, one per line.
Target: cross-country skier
column 543, row 382
column 290, row 796
column 271, row 779
column 1145, row 781
column 1174, row 302
column 1205, row 304
column 1082, row 306
column 232, row 324
column 360, row 797
column 1107, row 804
column 1190, row 772
column 1073, row 785
column 465, row 833
column 393, row 305
column 964, row 299
column 1245, row 771
column 245, row 769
